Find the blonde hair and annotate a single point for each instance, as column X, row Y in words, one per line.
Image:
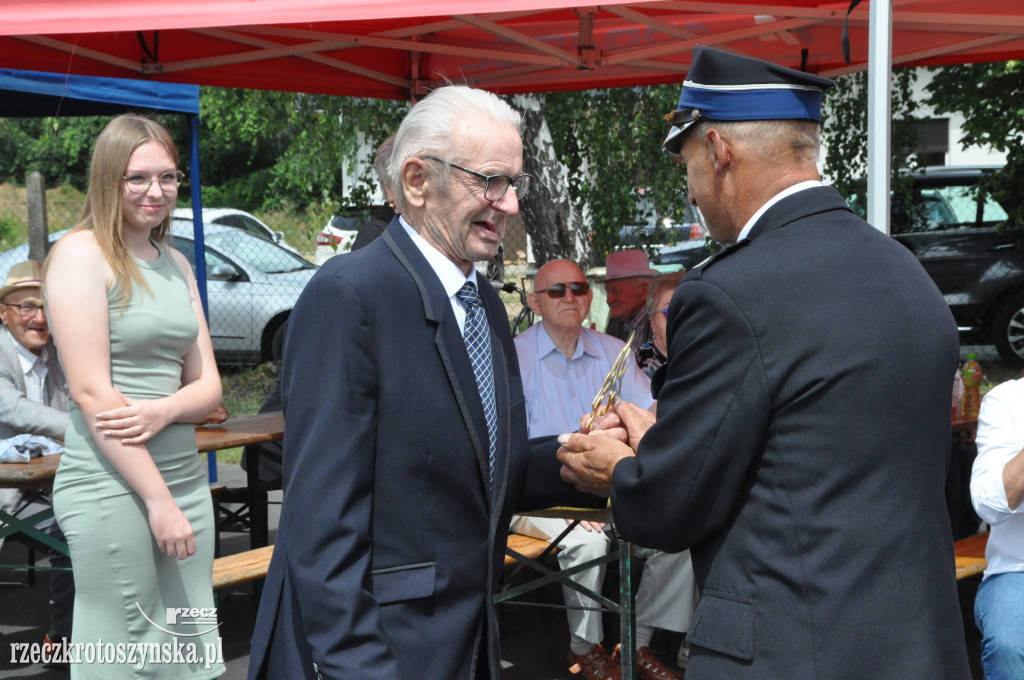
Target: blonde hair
column 103, row 204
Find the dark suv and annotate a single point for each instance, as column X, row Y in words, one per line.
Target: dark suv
column 964, row 241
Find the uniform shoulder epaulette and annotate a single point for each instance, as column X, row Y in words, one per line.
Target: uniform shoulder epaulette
column 702, row 266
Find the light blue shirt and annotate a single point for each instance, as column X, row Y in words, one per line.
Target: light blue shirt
column 559, row 391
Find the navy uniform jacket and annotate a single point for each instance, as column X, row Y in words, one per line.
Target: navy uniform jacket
column 800, row 451
column 390, row 542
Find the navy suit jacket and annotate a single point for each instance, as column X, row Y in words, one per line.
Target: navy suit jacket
column 800, row 452
column 391, row 542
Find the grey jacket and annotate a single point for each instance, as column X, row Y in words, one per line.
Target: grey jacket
column 19, row 415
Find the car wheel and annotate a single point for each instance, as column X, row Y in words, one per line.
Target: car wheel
column 1008, row 331
column 277, row 342
column 496, row 267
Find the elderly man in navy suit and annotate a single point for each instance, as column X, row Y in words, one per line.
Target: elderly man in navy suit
column 802, row 431
column 405, row 447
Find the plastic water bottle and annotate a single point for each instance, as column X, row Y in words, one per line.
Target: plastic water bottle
column 972, row 376
column 958, row 395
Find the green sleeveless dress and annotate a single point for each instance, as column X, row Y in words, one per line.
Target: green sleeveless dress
column 127, row 591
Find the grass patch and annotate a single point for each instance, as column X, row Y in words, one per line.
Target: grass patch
column 245, row 389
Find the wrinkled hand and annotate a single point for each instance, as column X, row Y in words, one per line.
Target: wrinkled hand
column 136, row 423
column 590, row 526
column 172, row 530
column 605, row 423
column 219, row 415
column 588, row 461
column 626, row 423
column 636, row 420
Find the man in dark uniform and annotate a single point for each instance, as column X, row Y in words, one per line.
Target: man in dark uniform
column 803, row 426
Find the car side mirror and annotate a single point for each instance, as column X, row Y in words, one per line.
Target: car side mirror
column 278, row 236
column 224, row 272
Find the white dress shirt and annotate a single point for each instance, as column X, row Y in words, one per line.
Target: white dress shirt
column 33, row 366
column 789, row 191
column 1000, row 438
column 451, row 276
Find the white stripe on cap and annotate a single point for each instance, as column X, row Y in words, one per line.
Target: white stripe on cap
column 759, row 86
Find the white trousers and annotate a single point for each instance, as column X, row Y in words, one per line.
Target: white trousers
column 666, row 596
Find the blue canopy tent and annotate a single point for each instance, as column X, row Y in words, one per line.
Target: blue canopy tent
column 25, row 94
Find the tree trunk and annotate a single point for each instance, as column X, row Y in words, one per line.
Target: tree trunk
column 552, row 222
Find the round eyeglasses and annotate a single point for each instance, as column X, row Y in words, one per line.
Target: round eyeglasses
column 557, row 290
column 495, row 186
column 138, row 183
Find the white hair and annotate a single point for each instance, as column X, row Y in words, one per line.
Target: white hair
column 428, row 129
column 768, row 137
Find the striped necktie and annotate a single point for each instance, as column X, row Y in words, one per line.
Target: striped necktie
column 478, row 344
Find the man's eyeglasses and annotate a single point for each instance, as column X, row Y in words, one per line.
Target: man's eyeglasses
column 557, row 290
column 138, row 183
column 495, row 186
column 26, row 309
column 664, row 310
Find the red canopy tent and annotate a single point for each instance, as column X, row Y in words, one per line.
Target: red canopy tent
column 401, row 48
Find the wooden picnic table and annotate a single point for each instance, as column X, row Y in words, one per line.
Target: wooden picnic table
column 38, row 473
column 970, row 555
column 241, row 431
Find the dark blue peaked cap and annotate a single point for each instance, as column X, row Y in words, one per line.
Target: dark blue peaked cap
column 723, row 86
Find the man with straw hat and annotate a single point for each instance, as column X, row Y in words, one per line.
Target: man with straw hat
column 628, row 276
column 34, row 401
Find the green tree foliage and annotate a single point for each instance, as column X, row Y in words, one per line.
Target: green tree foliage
column 258, row 149
column 58, row 148
column 991, row 98
column 845, row 135
column 285, row 150
column 611, row 142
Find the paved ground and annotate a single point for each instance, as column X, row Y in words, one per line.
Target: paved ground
column 534, row 640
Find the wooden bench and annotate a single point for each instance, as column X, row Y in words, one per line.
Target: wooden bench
column 970, row 555
column 253, row 564
column 241, row 567
column 525, row 546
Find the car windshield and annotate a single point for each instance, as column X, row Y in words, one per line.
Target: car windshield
column 257, row 252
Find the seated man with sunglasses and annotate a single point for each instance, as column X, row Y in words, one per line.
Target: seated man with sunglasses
column 563, row 366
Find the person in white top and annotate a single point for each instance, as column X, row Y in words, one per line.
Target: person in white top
column 34, row 401
column 997, row 492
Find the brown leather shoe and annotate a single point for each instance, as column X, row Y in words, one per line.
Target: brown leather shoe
column 649, row 668
column 594, row 665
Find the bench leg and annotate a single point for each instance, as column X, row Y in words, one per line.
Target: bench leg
column 627, row 613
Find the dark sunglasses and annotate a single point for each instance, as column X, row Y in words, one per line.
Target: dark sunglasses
column 557, row 290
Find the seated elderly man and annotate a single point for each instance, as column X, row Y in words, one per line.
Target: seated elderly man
column 627, row 282
column 34, row 400
column 563, row 367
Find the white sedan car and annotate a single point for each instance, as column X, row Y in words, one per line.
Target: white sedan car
column 239, row 219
